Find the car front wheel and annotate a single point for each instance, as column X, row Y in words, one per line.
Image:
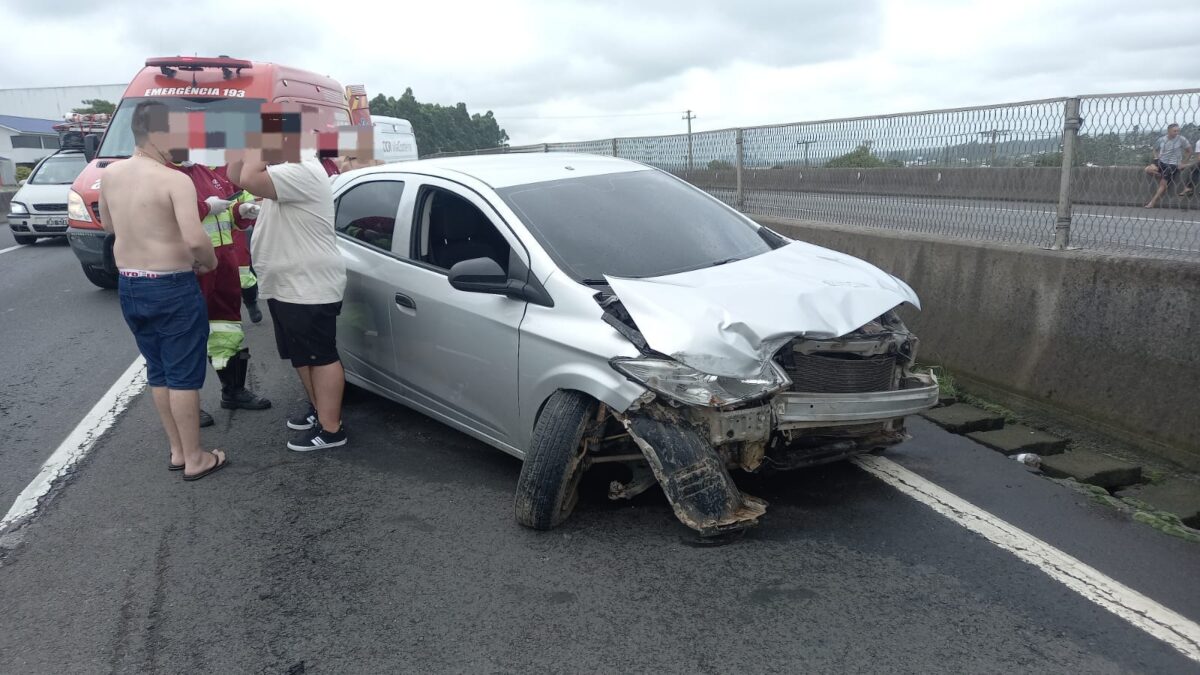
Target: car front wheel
column 100, row 277
column 549, row 484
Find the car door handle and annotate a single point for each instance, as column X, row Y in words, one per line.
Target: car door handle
column 405, row 301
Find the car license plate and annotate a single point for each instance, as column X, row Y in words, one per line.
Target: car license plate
column 56, row 222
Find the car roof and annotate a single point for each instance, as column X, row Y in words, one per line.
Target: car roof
column 507, row 170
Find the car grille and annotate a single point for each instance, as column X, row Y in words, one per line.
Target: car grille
column 50, row 208
column 838, row 373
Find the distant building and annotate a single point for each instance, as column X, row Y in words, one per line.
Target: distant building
column 23, row 141
column 54, row 102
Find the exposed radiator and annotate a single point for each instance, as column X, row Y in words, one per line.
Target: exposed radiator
column 838, row 374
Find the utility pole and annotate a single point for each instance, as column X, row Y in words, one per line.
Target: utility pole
column 994, row 134
column 805, row 142
column 689, row 117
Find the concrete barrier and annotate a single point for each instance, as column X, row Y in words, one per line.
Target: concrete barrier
column 1112, row 341
column 1116, row 186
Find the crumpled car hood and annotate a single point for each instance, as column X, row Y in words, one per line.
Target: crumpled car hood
column 730, row 319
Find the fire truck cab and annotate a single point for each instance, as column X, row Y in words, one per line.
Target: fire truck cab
column 225, row 93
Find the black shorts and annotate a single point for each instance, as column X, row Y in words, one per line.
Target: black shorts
column 306, row 335
column 1167, row 171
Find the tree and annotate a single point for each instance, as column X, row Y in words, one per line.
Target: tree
column 96, row 105
column 440, row 128
column 861, row 158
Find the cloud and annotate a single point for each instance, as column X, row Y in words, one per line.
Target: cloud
column 563, row 70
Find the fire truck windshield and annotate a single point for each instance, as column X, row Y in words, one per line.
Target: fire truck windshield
column 228, row 117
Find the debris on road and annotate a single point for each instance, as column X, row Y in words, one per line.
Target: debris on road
column 1029, row 459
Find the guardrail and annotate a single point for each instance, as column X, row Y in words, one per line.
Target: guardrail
column 1012, row 173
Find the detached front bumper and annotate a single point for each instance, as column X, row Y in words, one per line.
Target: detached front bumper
column 797, row 410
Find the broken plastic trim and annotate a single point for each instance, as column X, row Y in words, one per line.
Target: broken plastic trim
column 692, row 475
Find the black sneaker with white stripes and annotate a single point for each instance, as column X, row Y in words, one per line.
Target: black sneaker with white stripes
column 303, row 420
column 319, row 439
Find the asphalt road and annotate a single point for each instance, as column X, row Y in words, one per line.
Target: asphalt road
column 1162, row 232
column 400, row 553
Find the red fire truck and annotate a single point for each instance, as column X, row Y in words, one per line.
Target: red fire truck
column 229, row 93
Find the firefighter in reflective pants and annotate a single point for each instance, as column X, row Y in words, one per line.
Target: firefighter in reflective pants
column 222, row 289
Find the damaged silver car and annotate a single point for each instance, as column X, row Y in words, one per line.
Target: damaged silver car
column 585, row 313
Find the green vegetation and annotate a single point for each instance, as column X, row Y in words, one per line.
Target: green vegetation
column 719, row 165
column 96, row 105
column 440, row 128
column 861, row 158
column 23, row 172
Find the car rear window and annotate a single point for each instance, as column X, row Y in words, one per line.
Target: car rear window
column 632, row 224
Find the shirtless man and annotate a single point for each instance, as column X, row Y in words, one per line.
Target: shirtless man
column 160, row 248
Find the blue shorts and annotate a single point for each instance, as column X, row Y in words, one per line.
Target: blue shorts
column 169, row 321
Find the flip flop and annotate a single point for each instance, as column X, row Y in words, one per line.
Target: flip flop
column 175, row 467
column 221, row 464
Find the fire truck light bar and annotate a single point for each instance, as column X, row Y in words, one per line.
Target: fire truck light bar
column 169, row 64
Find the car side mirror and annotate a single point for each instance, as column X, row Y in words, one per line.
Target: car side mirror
column 479, row 275
column 91, row 143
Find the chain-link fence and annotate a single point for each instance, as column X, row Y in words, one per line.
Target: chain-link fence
column 1054, row 173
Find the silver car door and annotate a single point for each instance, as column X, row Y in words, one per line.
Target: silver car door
column 368, row 229
column 457, row 351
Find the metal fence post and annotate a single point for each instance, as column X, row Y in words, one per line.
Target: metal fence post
column 1071, row 124
column 615, row 148
column 739, row 199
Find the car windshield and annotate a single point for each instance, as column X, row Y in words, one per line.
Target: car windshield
column 230, row 117
column 59, row 170
column 632, row 224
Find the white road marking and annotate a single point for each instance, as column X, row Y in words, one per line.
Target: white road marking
column 10, row 248
column 78, row 443
column 1159, row 621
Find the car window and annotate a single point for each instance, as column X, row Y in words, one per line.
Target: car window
column 367, row 212
column 450, row 229
column 631, row 224
column 59, row 170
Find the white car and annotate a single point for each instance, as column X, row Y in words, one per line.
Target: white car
column 578, row 311
column 39, row 208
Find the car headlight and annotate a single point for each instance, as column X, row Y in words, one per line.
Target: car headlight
column 693, row 387
column 76, row 209
column 17, row 209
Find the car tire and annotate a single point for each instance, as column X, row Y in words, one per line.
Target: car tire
column 549, row 484
column 100, row 277
column 25, row 240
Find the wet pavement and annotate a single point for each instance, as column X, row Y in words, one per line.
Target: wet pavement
column 400, row 552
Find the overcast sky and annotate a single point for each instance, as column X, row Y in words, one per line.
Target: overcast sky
column 561, row 70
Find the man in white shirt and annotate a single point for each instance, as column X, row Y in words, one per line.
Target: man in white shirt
column 1170, row 150
column 300, row 271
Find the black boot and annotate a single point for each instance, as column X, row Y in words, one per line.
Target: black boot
column 234, row 393
column 206, row 420
column 250, row 297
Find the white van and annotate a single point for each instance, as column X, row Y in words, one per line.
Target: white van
column 394, row 139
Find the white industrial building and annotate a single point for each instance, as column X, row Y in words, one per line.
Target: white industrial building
column 27, row 116
column 53, row 102
column 24, row 141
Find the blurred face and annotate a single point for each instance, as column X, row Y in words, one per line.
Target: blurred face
column 1172, row 131
column 287, row 131
column 171, row 142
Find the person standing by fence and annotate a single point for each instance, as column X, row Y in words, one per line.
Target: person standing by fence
column 1170, row 150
